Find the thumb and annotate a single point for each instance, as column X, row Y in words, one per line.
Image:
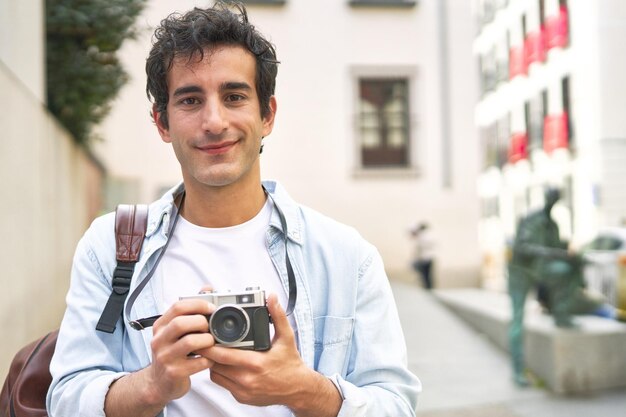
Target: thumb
column 282, row 329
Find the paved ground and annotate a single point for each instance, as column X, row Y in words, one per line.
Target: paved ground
column 463, row 374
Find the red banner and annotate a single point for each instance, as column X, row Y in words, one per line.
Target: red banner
column 555, row 132
column 517, row 62
column 518, row 148
column 557, row 31
column 535, row 47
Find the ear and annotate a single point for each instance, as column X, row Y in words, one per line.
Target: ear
column 163, row 131
column 268, row 119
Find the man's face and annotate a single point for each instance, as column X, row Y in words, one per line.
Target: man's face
column 215, row 123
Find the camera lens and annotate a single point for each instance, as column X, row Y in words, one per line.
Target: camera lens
column 229, row 324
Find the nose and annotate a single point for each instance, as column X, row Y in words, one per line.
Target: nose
column 214, row 120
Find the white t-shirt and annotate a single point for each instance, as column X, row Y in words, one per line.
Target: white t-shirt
column 230, row 258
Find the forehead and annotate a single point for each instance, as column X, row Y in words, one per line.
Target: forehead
column 220, row 63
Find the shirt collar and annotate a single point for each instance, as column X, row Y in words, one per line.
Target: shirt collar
column 161, row 211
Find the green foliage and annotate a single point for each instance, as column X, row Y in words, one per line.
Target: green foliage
column 83, row 71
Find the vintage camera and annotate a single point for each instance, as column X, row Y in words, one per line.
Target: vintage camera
column 241, row 320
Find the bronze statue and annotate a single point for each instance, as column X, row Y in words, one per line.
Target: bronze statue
column 540, row 258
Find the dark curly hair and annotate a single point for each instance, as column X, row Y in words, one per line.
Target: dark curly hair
column 199, row 30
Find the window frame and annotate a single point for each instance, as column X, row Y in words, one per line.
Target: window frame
column 408, row 73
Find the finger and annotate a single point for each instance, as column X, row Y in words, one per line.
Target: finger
column 185, row 307
column 229, row 356
column 180, row 352
column 192, row 344
column 178, row 327
column 281, row 324
column 195, row 364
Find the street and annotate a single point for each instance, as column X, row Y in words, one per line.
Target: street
column 464, row 374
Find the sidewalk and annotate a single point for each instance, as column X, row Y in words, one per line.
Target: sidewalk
column 464, row 374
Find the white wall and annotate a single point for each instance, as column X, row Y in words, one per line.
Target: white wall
column 49, row 189
column 312, row 148
column 22, row 46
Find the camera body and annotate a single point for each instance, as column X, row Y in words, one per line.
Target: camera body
column 241, row 320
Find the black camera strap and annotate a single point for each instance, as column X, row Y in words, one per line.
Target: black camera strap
column 144, row 323
column 293, row 289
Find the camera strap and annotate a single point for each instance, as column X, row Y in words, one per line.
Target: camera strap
column 144, row 323
column 293, row 289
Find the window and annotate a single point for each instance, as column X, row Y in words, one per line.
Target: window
column 490, row 207
column 488, row 69
column 487, row 11
column 502, row 59
column 567, row 110
column 503, row 131
column 536, row 111
column 495, row 138
column 399, row 3
column 383, row 122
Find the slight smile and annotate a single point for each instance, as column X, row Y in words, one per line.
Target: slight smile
column 218, row 148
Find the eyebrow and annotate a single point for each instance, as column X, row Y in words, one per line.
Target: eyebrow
column 186, row 90
column 226, row 86
column 235, row 85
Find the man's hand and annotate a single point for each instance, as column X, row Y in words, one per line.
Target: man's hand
column 181, row 331
column 277, row 376
column 180, row 335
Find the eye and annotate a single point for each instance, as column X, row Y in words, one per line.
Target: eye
column 189, row 101
column 235, row 97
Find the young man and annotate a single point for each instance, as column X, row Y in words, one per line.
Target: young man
column 211, row 76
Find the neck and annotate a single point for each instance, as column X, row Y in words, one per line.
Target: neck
column 222, row 206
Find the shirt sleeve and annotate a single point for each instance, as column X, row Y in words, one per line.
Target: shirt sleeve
column 86, row 362
column 377, row 382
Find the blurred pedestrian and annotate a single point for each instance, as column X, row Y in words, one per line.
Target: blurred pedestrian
column 423, row 255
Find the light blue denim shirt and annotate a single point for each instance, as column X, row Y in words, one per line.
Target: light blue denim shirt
column 348, row 325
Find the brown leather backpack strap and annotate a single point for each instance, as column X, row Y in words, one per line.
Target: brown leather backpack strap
column 130, row 229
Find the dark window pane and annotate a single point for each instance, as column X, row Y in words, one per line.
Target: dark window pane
column 384, row 122
column 535, row 114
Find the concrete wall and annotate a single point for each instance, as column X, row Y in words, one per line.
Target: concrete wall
column 50, row 192
column 321, row 45
column 22, row 42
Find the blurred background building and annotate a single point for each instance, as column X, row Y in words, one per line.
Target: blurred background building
column 374, row 126
column 551, row 112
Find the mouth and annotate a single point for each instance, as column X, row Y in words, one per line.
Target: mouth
column 218, row 148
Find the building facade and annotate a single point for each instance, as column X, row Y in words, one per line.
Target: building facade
column 550, row 113
column 374, row 124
